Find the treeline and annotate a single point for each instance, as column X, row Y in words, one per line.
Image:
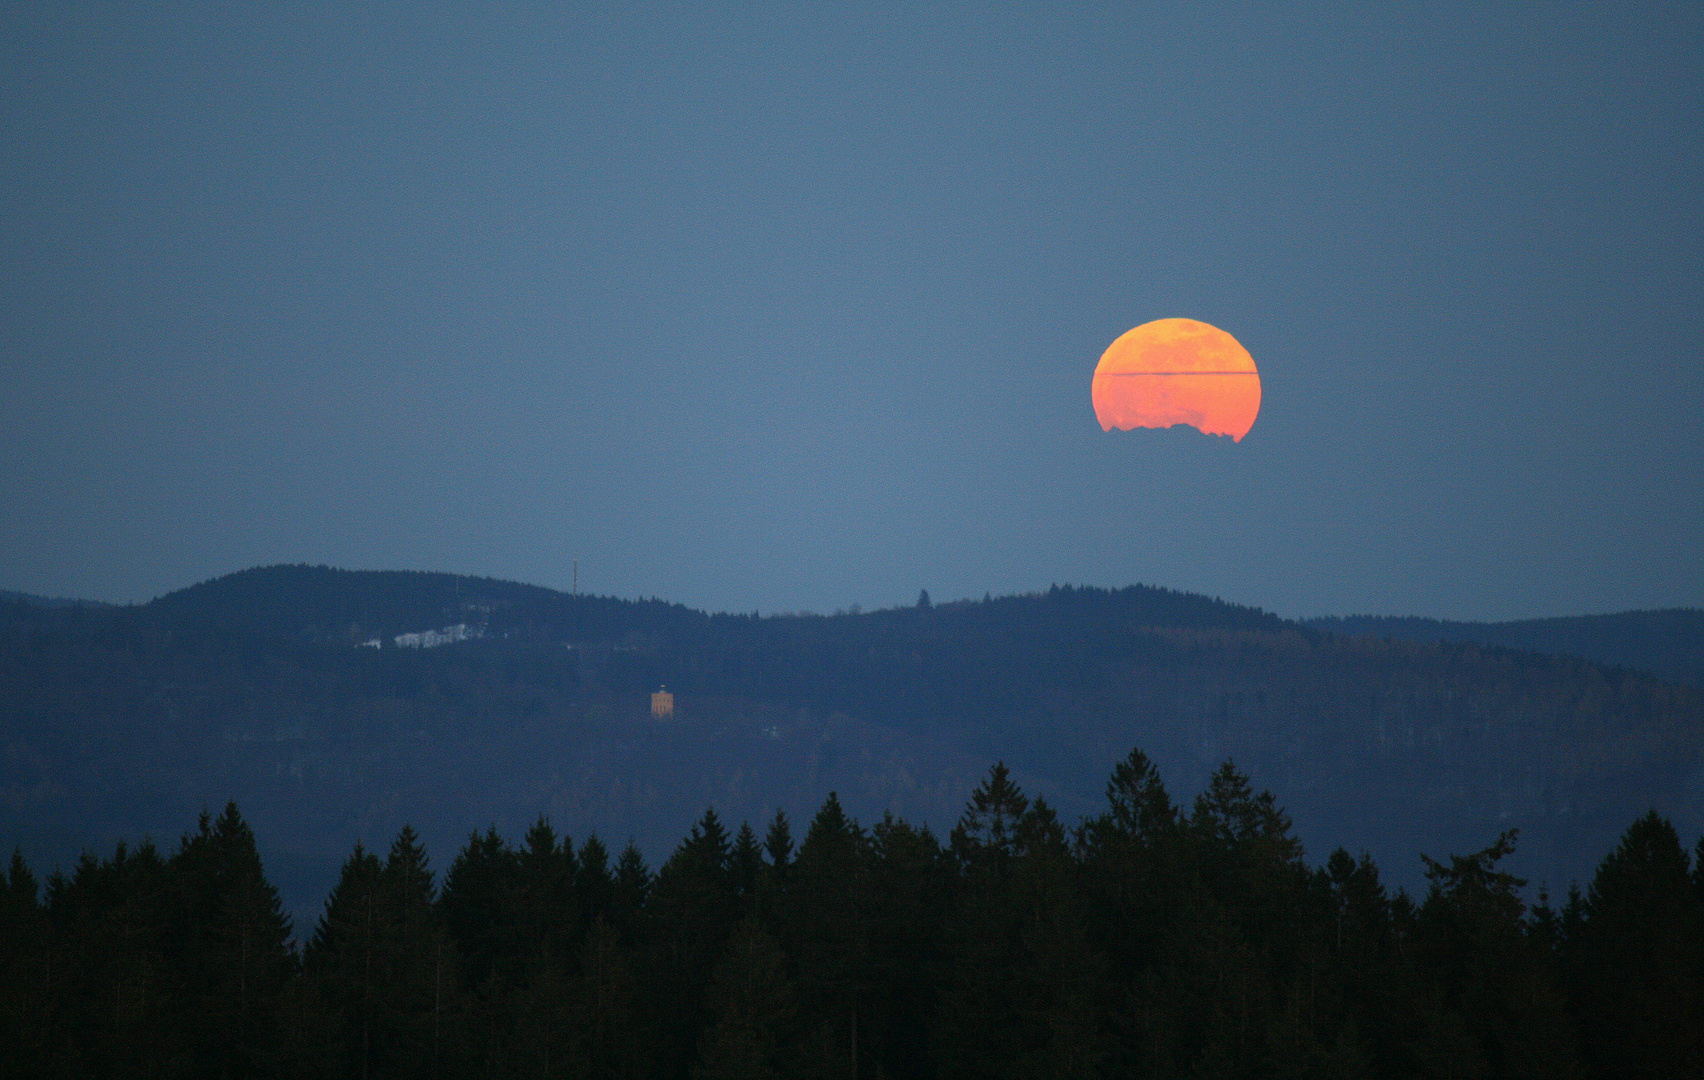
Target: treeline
column 1152, row 940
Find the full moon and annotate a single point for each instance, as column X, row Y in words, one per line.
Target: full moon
column 1177, row 371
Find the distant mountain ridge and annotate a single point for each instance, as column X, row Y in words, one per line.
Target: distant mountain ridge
column 117, row 721
column 327, row 604
column 324, row 603
column 11, row 596
column 1667, row 642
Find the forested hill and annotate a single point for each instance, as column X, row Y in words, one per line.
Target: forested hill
column 324, row 604
column 9, row 596
column 1668, row 642
column 320, row 603
column 264, row 687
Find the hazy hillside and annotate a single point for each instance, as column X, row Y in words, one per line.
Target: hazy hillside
column 1669, row 643
column 261, row 687
column 8, row 596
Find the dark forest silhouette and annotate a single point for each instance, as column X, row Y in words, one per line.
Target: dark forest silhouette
column 1149, row 939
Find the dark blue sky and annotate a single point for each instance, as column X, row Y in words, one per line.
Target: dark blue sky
column 797, row 307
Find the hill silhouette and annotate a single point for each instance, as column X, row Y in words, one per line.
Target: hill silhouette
column 259, row 686
column 9, row 596
column 1668, row 642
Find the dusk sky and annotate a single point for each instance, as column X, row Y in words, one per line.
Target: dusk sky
column 796, row 307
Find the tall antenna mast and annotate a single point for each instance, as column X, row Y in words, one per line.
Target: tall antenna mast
column 576, row 577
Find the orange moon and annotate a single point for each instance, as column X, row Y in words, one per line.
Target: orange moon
column 1177, row 371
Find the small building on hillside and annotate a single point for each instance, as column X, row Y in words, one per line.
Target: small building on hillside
column 662, row 704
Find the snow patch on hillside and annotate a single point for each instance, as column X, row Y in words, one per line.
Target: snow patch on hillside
column 430, row 639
